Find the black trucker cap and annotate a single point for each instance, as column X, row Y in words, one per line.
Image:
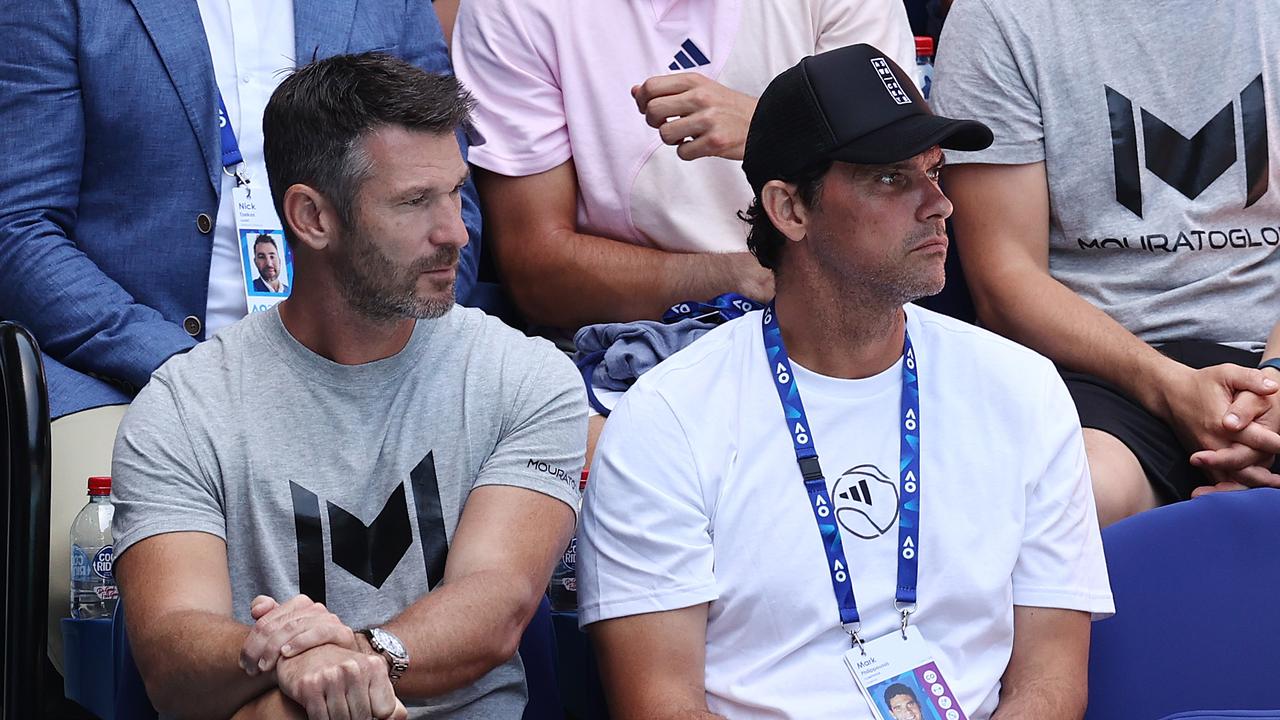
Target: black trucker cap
column 852, row 104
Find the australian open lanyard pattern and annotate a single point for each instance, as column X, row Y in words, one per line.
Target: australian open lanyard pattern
column 815, row 483
column 231, row 157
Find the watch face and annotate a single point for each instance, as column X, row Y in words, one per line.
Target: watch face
column 389, row 642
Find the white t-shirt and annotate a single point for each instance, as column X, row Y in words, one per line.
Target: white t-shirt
column 553, row 81
column 251, row 43
column 695, row 497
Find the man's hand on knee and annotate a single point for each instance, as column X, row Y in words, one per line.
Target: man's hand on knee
column 1251, row 422
column 1196, row 401
column 332, row 683
column 283, row 631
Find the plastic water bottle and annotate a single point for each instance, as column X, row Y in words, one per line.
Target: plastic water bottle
column 924, row 65
column 564, row 580
column 93, row 582
column 563, row 590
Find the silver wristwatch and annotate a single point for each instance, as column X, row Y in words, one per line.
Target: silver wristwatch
column 391, row 649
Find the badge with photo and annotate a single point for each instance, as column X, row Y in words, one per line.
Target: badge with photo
column 265, row 257
column 268, row 263
column 900, row 679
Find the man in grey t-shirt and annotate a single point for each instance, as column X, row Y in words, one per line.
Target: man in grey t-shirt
column 1126, row 222
column 375, row 546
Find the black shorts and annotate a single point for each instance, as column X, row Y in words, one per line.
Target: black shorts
column 1164, row 459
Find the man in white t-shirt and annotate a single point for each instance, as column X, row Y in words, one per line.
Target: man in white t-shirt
column 952, row 498
column 594, row 216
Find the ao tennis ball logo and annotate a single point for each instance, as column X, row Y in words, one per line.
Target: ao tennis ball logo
column 866, row 501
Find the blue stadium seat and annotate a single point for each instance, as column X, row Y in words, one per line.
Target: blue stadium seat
column 538, row 653
column 1196, row 627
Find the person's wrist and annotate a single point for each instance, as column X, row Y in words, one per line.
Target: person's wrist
column 392, row 651
column 1164, row 382
column 1271, row 368
column 364, row 647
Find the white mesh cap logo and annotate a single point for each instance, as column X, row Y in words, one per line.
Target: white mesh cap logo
column 890, row 82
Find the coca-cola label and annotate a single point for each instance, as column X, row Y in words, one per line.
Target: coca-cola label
column 106, row 592
column 102, row 561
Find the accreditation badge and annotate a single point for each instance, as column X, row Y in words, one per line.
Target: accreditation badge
column 899, row 678
column 265, row 257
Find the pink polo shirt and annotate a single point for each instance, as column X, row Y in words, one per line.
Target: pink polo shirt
column 553, row 80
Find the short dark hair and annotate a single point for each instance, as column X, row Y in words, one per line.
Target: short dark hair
column 764, row 240
column 897, row 689
column 317, row 117
column 263, row 238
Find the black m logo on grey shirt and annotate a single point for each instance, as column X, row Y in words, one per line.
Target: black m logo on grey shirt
column 371, row 552
column 1189, row 165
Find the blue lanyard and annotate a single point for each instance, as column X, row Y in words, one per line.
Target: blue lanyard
column 815, row 483
column 721, row 308
column 230, row 148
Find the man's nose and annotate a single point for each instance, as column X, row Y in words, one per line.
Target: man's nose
column 934, row 204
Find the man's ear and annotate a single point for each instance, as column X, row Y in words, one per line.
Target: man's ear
column 781, row 202
column 313, row 219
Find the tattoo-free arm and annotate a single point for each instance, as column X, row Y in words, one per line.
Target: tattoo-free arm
column 500, row 560
column 1047, row 676
column 560, row 277
column 1001, row 224
column 177, row 594
column 653, row 665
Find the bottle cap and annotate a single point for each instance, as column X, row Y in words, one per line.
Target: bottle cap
column 99, row 486
column 924, row 45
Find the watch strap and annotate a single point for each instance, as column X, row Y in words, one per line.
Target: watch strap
column 1273, row 363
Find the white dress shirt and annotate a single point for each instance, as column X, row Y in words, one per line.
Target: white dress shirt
column 252, row 46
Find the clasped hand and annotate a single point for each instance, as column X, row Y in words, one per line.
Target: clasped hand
column 318, row 662
column 1232, row 415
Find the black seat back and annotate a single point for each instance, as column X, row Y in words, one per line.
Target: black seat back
column 24, row 468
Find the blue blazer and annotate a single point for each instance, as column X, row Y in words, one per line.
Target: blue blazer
column 110, row 173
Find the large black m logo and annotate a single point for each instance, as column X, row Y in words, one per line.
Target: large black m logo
column 1189, row 165
column 371, row 552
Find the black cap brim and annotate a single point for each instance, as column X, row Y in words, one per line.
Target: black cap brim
column 910, row 136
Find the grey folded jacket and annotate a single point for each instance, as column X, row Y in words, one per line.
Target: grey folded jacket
column 630, row 349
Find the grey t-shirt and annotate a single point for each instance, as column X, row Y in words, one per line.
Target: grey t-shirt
column 1159, row 126
column 347, row 482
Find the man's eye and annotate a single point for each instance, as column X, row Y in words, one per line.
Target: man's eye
column 415, row 201
column 889, row 178
column 935, row 174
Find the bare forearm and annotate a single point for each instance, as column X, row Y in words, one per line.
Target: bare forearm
column 190, row 663
column 462, row 630
column 633, row 711
column 271, row 705
column 1048, row 699
column 572, row 279
column 1273, row 344
column 1033, row 308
